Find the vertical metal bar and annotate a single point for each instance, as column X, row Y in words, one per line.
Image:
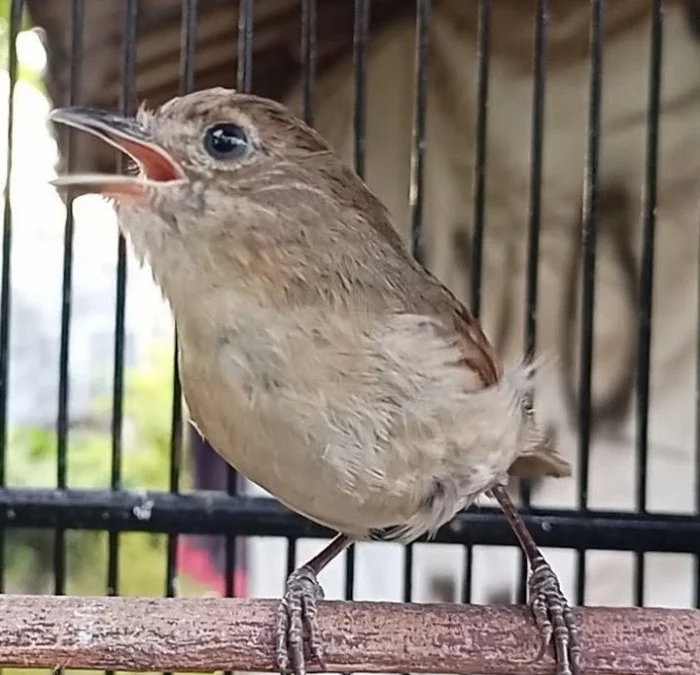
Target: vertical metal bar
column 188, row 41
column 245, row 46
column 359, row 53
column 16, row 7
column 308, row 91
column 420, row 114
column 244, row 80
column 187, row 56
column 416, row 189
column 468, row 567
column 408, row 573
column 308, row 78
column 62, row 422
column 651, row 168
column 536, row 161
column 349, row 590
column 480, row 145
column 588, row 248
column 534, row 219
column 128, row 95
column 479, row 194
column 360, row 44
column 291, row 554
column 308, row 56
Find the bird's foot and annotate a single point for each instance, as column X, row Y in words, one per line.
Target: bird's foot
column 297, row 612
column 554, row 618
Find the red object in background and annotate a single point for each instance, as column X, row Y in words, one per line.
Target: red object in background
column 202, row 557
column 197, row 561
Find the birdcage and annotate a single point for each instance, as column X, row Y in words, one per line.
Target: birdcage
column 538, row 156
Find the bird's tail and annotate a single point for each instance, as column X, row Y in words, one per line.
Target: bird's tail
column 539, row 455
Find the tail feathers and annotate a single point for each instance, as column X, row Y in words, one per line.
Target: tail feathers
column 540, row 457
column 540, row 462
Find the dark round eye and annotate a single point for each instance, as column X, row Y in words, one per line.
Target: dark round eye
column 226, row 141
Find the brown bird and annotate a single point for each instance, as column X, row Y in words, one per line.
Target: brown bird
column 316, row 355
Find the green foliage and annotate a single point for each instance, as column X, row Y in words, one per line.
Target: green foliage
column 146, row 438
column 145, row 466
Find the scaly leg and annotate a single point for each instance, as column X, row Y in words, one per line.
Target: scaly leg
column 553, row 616
column 298, row 611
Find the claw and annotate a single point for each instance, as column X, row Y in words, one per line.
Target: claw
column 554, row 618
column 297, row 612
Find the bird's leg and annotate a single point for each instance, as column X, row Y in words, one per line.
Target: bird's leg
column 298, row 611
column 552, row 613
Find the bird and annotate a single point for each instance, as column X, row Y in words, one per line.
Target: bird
column 316, row 354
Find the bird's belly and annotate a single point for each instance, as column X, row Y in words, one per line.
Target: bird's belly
column 361, row 430
column 277, row 442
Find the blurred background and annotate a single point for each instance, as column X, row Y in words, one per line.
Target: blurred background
column 459, row 201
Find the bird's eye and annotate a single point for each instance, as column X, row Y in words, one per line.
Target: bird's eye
column 226, row 141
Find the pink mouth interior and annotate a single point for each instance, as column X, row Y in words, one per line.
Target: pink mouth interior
column 155, row 165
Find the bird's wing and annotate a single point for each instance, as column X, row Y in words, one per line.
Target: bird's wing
column 430, row 297
column 539, row 457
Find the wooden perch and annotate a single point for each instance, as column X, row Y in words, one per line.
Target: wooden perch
column 215, row 634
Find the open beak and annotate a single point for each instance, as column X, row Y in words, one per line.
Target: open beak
column 126, row 134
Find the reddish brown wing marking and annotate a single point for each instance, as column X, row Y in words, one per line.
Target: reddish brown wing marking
column 478, row 353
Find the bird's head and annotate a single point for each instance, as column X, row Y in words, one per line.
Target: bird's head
column 196, row 150
column 237, row 177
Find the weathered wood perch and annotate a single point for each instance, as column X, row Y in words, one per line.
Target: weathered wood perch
column 216, row 634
